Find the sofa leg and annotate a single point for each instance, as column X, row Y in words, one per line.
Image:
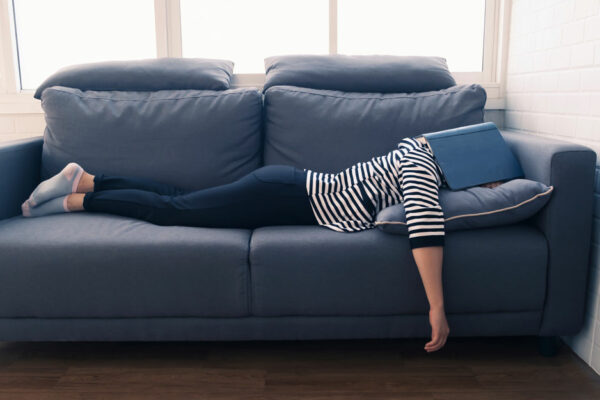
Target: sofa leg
column 548, row 345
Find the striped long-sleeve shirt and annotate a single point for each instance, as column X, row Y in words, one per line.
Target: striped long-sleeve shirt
column 348, row 201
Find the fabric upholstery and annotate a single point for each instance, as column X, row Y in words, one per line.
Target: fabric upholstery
column 147, row 75
column 566, row 222
column 477, row 207
column 85, row 265
column 328, row 131
column 191, row 139
column 374, row 73
column 311, row 270
column 257, row 328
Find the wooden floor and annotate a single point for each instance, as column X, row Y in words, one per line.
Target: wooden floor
column 467, row 368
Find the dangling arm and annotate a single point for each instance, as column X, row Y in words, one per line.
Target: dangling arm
column 425, row 221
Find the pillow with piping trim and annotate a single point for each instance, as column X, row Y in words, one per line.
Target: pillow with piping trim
column 477, row 207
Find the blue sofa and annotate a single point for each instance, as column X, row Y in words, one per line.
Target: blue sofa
column 84, row 276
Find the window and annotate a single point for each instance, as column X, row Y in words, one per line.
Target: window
column 248, row 31
column 52, row 34
column 451, row 29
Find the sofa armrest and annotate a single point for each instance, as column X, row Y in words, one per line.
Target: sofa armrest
column 19, row 173
column 566, row 221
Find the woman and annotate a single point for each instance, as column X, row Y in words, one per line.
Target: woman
column 347, row 201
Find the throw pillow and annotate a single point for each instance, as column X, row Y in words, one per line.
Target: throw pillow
column 477, row 207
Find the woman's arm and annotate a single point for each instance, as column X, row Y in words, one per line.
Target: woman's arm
column 425, row 220
column 429, row 262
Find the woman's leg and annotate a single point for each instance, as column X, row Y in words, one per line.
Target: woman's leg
column 103, row 182
column 270, row 195
column 52, row 195
column 73, row 179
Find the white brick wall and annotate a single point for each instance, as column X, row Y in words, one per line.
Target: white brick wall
column 553, row 89
column 19, row 126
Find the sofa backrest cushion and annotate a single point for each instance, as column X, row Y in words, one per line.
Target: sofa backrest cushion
column 189, row 138
column 330, row 130
column 149, row 74
column 378, row 73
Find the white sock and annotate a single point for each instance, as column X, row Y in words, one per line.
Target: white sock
column 63, row 183
column 55, row 206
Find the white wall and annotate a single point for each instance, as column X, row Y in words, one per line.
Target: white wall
column 18, row 126
column 553, row 89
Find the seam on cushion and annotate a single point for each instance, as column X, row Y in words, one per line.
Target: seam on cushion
column 417, row 94
column 481, row 213
column 243, row 91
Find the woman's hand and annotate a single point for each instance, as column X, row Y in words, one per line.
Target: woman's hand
column 439, row 329
column 492, row 185
column 429, row 262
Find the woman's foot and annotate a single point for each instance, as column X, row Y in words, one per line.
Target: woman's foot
column 61, row 184
column 57, row 205
column 439, row 329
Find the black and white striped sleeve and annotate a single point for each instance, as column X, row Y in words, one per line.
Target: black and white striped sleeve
column 420, row 192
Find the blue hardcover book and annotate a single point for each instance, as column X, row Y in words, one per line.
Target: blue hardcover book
column 472, row 155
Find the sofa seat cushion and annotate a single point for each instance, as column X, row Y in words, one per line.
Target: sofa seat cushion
column 477, row 207
column 100, row 265
column 311, row 270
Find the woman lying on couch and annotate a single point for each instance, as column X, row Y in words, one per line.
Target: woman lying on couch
column 347, row 201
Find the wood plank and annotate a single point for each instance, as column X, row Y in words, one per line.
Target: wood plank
column 465, row 369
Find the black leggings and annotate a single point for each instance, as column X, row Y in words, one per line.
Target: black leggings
column 269, row 195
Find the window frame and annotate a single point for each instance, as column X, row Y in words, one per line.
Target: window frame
column 169, row 44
